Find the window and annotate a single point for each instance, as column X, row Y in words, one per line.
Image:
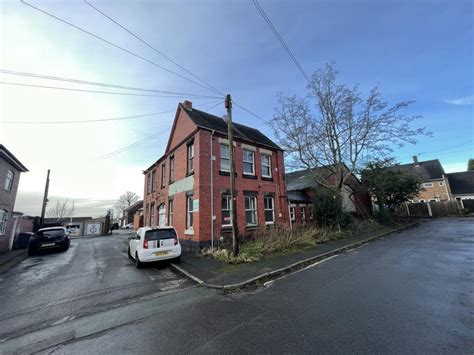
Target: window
column 292, row 213
column 191, row 158
column 250, row 210
column 226, row 208
column 441, row 183
column 249, row 168
column 3, row 221
column 171, row 169
column 149, row 183
column 189, row 212
column 303, row 213
column 152, row 214
column 170, row 212
column 225, row 157
column 147, row 216
column 9, row 180
column 428, row 184
column 153, row 180
column 163, row 175
column 266, row 165
column 311, row 213
column 269, row 208
column 162, row 215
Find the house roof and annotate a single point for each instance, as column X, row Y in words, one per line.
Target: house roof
column 424, row 170
column 136, row 205
column 304, row 179
column 207, row 121
column 8, row 156
column 297, row 196
column 461, row 183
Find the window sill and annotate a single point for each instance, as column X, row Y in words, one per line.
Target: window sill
column 226, row 228
column 190, row 173
column 189, row 232
column 248, row 176
column 251, row 227
column 224, row 173
column 267, row 178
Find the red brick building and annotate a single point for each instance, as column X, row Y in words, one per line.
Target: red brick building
column 189, row 186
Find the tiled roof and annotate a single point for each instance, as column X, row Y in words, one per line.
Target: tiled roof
column 206, row 120
column 298, row 196
column 304, row 179
column 7, row 155
column 424, row 170
column 461, row 183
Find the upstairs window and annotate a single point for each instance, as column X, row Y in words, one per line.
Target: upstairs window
column 171, row 169
column 249, row 162
column 3, row 221
column 428, row 184
column 149, row 185
column 163, row 175
column 191, row 158
column 9, row 180
column 266, row 165
column 225, row 157
column 153, row 180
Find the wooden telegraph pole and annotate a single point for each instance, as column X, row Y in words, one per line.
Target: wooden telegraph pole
column 45, row 200
column 233, row 211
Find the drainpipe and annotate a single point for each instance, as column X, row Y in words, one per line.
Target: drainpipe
column 212, row 191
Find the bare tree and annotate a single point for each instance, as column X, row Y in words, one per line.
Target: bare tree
column 125, row 201
column 59, row 210
column 344, row 130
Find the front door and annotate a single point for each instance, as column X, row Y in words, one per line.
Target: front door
column 162, row 216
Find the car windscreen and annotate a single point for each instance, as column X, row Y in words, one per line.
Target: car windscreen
column 50, row 233
column 158, row 234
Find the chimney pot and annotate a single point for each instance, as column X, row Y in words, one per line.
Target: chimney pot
column 415, row 160
column 188, row 104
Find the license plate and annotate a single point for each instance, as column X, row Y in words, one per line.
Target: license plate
column 160, row 253
column 48, row 245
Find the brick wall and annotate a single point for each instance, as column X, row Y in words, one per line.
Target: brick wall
column 438, row 190
column 7, row 200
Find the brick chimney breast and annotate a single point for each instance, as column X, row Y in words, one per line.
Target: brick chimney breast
column 188, row 104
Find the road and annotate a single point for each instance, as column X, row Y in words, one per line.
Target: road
column 408, row 293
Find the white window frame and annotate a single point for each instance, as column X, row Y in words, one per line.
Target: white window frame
column 9, row 180
column 428, row 184
column 225, row 158
column 190, row 157
column 265, row 165
column 3, row 221
column 189, row 212
column 229, row 208
column 303, row 213
column 265, row 209
column 292, row 213
column 171, row 169
column 250, row 209
column 311, row 212
column 248, row 162
column 170, row 212
column 163, row 175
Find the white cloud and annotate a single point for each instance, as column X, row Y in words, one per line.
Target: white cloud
column 463, row 101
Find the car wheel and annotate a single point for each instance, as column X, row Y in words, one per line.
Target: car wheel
column 129, row 254
column 66, row 248
column 30, row 252
column 138, row 263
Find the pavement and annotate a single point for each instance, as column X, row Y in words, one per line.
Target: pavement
column 213, row 273
column 11, row 258
column 412, row 292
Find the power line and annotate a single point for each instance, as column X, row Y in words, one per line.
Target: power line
column 153, row 48
column 100, row 120
column 280, row 38
column 114, row 45
column 442, row 150
column 84, row 90
column 78, row 81
column 248, row 111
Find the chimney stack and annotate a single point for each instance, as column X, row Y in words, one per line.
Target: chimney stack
column 415, row 160
column 188, row 104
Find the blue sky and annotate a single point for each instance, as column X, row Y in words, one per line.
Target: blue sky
column 417, row 50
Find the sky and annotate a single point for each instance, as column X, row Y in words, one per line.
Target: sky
column 418, row 50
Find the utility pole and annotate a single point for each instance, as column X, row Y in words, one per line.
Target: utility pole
column 45, row 199
column 233, row 211
column 72, row 211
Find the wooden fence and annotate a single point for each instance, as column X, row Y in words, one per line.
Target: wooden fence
column 430, row 209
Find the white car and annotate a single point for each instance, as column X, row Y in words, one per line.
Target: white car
column 128, row 226
column 154, row 244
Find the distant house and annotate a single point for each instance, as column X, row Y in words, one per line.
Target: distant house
column 462, row 185
column 129, row 213
column 302, row 190
column 434, row 183
column 10, row 170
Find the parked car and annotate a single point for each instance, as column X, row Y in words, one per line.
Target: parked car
column 114, row 226
column 128, row 226
column 154, row 244
column 49, row 238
